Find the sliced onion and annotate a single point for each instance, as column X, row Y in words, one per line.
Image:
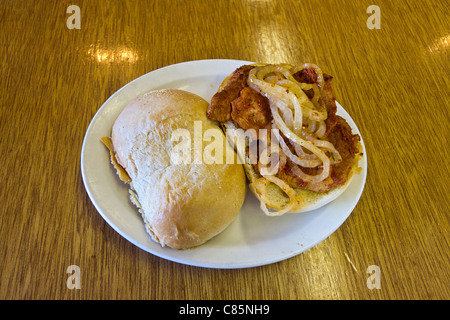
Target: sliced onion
column 261, row 185
column 307, row 144
column 327, row 145
column 310, row 65
column 320, row 132
column 308, row 106
column 307, row 163
column 275, row 157
column 302, row 154
column 302, row 122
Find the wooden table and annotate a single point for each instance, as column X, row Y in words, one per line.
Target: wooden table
column 391, row 74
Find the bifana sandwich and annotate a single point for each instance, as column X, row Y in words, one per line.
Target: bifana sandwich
column 298, row 154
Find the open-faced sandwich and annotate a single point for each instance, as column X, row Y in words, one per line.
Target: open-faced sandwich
column 298, row 154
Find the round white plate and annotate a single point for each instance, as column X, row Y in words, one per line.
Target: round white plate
column 253, row 239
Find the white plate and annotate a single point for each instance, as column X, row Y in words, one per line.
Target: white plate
column 253, row 239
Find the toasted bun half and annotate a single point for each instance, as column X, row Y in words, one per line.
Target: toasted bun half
column 183, row 204
column 274, row 197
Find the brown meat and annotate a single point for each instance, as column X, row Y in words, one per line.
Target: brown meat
column 309, row 75
column 306, row 75
column 329, row 101
column 346, row 143
column 251, row 110
column 220, row 106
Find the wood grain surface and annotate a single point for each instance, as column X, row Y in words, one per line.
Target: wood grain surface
column 393, row 81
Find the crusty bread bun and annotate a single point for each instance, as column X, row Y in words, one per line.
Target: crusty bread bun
column 275, row 198
column 183, row 205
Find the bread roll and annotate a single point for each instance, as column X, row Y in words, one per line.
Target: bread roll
column 183, row 205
